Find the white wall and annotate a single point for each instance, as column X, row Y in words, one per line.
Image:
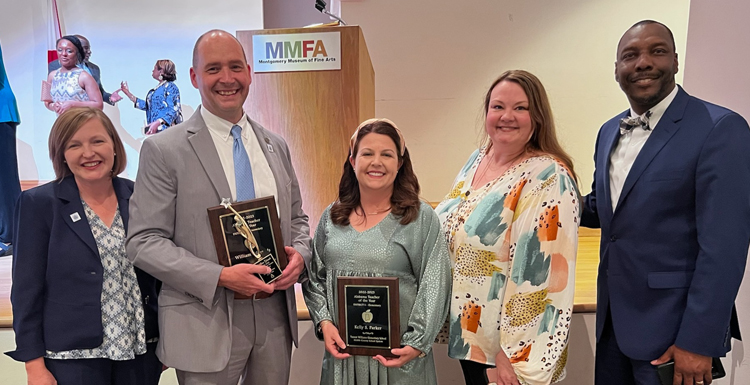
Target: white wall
column 127, row 37
column 717, row 70
column 434, row 59
column 292, row 14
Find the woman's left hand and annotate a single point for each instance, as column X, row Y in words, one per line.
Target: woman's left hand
column 66, row 105
column 405, row 354
column 503, row 373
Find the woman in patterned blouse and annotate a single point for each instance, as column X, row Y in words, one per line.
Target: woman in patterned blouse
column 162, row 104
column 82, row 313
column 70, row 86
column 511, row 222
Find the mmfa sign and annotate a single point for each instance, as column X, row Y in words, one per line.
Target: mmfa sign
column 319, row 51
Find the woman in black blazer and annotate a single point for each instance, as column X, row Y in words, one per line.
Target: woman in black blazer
column 82, row 314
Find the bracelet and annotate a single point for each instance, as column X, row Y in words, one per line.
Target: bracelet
column 319, row 329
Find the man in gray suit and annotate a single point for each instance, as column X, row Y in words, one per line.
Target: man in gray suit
column 92, row 69
column 206, row 333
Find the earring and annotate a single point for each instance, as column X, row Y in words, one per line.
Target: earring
column 161, row 77
column 114, row 153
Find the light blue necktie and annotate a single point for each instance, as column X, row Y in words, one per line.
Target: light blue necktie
column 243, row 173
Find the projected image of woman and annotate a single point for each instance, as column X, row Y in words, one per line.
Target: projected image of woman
column 162, row 103
column 70, row 85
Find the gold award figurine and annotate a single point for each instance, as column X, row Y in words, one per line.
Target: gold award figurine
column 242, row 227
column 248, row 232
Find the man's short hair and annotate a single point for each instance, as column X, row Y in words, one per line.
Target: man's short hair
column 645, row 22
column 195, row 47
column 81, row 37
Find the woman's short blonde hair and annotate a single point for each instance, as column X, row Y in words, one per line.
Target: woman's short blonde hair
column 169, row 72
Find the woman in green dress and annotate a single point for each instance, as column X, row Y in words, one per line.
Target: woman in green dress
column 379, row 228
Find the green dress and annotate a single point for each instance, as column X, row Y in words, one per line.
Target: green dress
column 416, row 253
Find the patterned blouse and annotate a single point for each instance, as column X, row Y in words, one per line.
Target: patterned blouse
column 513, row 243
column 162, row 102
column 122, row 312
column 65, row 86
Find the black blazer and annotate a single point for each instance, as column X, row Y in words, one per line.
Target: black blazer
column 57, row 272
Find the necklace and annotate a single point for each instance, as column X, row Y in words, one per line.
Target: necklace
column 504, row 167
column 376, row 212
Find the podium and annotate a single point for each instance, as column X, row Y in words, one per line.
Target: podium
column 316, row 112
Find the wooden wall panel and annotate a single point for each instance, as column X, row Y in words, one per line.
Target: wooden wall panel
column 315, row 111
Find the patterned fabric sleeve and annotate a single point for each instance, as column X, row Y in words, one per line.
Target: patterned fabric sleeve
column 171, row 106
column 314, row 289
column 433, row 272
column 454, row 196
column 460, row 180
column 140, row 104
column 538, row 302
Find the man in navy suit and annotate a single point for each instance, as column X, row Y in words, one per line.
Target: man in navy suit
column 671, row 194
column 92, row 69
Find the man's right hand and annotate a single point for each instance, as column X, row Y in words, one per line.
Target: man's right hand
column 689, row 367
column 115, row 96
column 241, row 279
column 38, row 374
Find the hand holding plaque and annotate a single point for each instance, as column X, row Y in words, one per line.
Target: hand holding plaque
column 369, row 320
column 332, row 340
column 249, row 232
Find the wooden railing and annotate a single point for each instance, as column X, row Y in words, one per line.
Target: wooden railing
column 584, row 301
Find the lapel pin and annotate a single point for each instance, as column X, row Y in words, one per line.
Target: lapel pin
column 75, row 217
column 268, row 144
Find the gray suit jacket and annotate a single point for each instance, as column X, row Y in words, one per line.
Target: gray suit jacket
column 169, row 236
column 96, row 73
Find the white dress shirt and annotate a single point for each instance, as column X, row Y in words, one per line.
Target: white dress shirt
column 220, row 129
column 630, row 146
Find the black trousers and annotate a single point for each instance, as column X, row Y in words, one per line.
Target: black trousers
column 474, row 372
column 10, row 186
column 144, row 369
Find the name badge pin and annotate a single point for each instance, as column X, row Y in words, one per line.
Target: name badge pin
column 75, row 217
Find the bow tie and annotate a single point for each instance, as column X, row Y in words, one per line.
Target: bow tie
column 627, row 124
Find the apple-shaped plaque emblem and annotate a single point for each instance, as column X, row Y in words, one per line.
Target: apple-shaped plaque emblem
column 367, row 316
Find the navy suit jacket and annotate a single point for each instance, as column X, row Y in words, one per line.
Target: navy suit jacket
column 673, row 252
column 57, row 272
column 96, row 73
